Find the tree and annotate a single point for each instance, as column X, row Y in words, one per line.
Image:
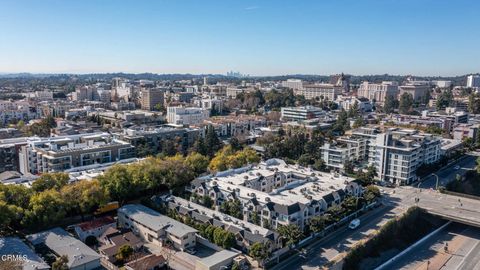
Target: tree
column 371, row 193
column 124, row 252
column 390, row 104
column 290, row 233
column 348, row 167
column 84, row 196
column 45, row 208
column 259, row 251
column 49, row 181
column 116, row 181
column 445, row 99
column 406, row 103
column 358, row 122
column 212, row 143
column 335, row 212
column 197, row 162
column 232, row 208
column 235, row 143
column 227, row 158
column 61, row 263
column 317, row 224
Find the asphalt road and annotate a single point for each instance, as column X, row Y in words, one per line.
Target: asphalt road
column 328, row 248
column 448, row 173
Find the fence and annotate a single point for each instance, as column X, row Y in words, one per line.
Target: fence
column 460, row 194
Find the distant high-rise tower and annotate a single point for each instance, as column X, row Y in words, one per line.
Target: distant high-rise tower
column 473, row 81
column 205, row 80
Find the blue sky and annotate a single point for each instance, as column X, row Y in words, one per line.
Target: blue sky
column 421, row 37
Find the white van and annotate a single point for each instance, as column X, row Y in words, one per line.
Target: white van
column 354, row 224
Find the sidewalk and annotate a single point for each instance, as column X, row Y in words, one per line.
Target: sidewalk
column 442, row 257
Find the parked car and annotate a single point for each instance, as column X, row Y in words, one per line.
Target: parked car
column 354, row 224
column 456, row 167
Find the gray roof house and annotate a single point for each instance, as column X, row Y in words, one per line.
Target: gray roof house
column 15, row 246
column 80, row 256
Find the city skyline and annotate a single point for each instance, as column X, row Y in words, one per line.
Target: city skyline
column 260, row 38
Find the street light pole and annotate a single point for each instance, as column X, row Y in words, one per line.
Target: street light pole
column 436, row 183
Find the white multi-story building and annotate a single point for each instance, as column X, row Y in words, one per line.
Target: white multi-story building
column 156, row 228
column 278, row 193
column 363, row 104
column 344, row 150
column 301, row 113
column 378, row 92
column 61, row 153
column 15, row 111
column 44, row 95
column 442, row 84
column 293, row 84
column 186, row 115
column 399, row 152
column 317, row 91
column 473, row 81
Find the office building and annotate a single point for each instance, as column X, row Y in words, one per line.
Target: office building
column 473, row 81
column 301, row 113
column 293, row 84
column 417, row 90
column 319, row 91
column 378, row 91
column 151, row 97
column 186, row 115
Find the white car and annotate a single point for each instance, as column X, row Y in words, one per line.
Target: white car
column 354, row 224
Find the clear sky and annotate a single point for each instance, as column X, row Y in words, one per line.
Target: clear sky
column 420, row 37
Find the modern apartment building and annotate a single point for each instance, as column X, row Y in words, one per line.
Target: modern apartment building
column 378, row 91
column 301, row 113
column 186, row 115
column 399, row 152
column 154, row 137
column 278, row 193
column 61, row 153
column 345, row 149
column 13, row 111
column 151, row 97
column 9, row 153
column 317, row 91
column 156, row 228
column 236, row 125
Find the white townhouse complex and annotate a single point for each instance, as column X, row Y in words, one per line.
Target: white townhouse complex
column 156, row 228
column 301, row 113
column 399, row 152
column 57, row 154
column 186, row 115
column 378, row 91
column 11, row 111
column 280, row 194
column 317, row 91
